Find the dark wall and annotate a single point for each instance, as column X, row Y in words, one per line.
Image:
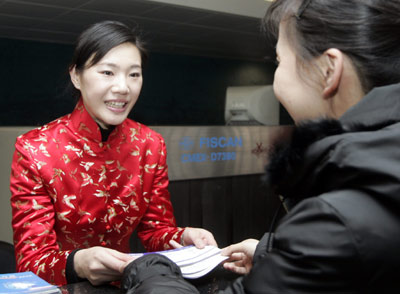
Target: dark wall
column 177, row 90
column 232, row 208
column 31, row 81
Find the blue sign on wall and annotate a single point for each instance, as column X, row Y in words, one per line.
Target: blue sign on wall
column 203, row 152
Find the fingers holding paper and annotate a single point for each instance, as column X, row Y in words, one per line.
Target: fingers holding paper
column 240, row 256
column 197, row 237
column 100, row 265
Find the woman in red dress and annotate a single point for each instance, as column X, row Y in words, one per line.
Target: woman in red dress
column 83, row 183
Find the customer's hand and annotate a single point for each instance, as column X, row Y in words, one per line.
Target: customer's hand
column 100, row 265
column 240, row 256
column 197, row 237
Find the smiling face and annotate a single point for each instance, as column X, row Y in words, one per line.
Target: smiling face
column 111, row 87
column 300, row 95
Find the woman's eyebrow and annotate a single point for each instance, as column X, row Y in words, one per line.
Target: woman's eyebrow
column 116, row 66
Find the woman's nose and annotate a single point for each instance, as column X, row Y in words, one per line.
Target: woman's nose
column 120, row 85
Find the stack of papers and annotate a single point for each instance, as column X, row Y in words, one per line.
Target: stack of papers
column 26, row 282
column 193, row 262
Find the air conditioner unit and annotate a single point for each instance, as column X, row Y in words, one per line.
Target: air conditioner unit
column 251, row 105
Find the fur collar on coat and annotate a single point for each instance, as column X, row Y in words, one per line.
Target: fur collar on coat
column 293, row 166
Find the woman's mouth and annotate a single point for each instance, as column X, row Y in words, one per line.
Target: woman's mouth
column 116, row 105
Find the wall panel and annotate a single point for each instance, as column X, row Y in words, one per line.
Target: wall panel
column 232, row 208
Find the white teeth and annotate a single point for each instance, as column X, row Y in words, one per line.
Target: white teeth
column 115, row 104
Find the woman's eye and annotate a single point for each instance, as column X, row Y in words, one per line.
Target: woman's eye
column 107, row 72
column 135, row 74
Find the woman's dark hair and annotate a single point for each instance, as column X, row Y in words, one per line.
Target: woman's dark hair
column 367, row 31
column 98, row 39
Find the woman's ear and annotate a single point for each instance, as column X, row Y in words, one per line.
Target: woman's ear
column 75, row 78
column 332, row 70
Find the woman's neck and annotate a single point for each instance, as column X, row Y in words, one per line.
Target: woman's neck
column 105, row 132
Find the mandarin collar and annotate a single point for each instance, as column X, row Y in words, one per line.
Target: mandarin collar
column 85, row 125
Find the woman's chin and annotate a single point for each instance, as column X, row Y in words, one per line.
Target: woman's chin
column 105, row 124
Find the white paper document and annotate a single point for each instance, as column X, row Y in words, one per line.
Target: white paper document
column 193, row 262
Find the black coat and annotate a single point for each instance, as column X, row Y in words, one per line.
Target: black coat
column 342, row 181
column 154, row 274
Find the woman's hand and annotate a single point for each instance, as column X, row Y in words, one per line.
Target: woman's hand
column 197, row 237
column 240, row 256
column 100, row 265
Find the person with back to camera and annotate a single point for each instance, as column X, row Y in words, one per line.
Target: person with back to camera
column 338, row 76
column 82, row 183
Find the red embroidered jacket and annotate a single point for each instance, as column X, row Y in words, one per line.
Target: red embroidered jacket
column 70, row 190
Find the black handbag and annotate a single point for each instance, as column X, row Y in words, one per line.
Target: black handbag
column 154, row 274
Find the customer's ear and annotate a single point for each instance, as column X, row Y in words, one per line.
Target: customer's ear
column 332, row 67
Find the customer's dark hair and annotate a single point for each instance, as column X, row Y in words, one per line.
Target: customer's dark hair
column 365, row 30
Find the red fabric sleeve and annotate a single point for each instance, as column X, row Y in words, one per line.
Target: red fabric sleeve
column 33, row 219
column 158, row 226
